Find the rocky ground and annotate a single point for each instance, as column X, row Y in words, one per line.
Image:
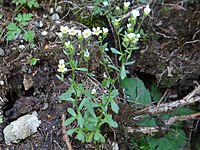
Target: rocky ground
column 171, row 56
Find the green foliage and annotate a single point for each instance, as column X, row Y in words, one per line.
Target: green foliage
column 1, row 118
column 173, row 140
column 23, row 19
column 29, row 36
column 14, row 29
column 135, row 91
column 88, row 120
column 30, row 3
column 34, row 61
column 93, row 109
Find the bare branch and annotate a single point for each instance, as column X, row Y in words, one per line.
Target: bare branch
column 194, row 96
column 168, row 123
column 65, row 136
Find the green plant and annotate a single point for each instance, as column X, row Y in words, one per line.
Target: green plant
column 174, row 138
column 33, row 61
column 93, row 103
column 21, row 22
column 14, row 29
column 1, row 118
column 30, row 3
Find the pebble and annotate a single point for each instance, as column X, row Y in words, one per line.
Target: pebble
column 2, row 52
column 55, row 17
column 22, row 128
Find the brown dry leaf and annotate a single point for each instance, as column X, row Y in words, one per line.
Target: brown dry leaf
column 27, row 81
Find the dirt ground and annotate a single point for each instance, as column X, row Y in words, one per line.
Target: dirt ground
column 171, row 55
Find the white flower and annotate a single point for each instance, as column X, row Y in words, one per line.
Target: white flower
column 87, row 33
column 96, row 31
column 116, row 22
column 64, row 29
column 79, row 33
column 105, row 30
column 61, row 61
column 61, row 66
column 59, row 34
column 135, row 13
column 67, row 44
column 72, row 31
column 129, row 25
column 138, row 36
column 94, row 91
column 126, row 4
column 44, row 33
column 105, row 3
column 117, row 8
column 147, row 10
column 133, row 37
column 86, row 53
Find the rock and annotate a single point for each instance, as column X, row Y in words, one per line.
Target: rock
column 2, row 52
column 55, row 17
column 21, row 128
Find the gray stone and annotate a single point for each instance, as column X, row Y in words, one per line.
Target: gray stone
column 2, row 52
column 55, row 17
column 21, row 128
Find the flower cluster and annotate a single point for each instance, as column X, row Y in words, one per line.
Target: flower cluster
column 85, row 33
column 133, row 37
column 61, row 66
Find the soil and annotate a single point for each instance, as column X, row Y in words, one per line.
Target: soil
column 170, row 55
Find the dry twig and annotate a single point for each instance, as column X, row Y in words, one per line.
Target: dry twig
column 194, row 96
column 168, row 123
column 65, row 136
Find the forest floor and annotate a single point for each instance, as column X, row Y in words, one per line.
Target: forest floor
column 170, row 56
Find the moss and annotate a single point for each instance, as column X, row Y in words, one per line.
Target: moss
column 91, row 21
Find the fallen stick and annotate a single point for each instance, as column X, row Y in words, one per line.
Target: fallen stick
column 192, row 97
column 65, row 136
column 168, row 123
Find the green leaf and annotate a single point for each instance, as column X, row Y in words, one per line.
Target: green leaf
column 184, row 111
column 115, row 51
column 23, row 19
column 114, row 93
column 21, row 2
column 89, row 136
column 155, row 93
column 130, row 63
column 82, row 69
column 83, row 102
column 80, row 136
column 97, row 135
column 1, row 119
column 29, row 36
column 171, row 141
column 134, row 48
column 80, row 120
column 71, row 131
column 108, row 119
column 113, row 67
column 129, row 86
column 114, row 106
column 143, row 93
column 135, row 90
column 32, row 3
column 106, row 83
column 148, row 122
column 71, row 111
column 66, row 95
column 69, row 121
column 33, row 61
column 123, row 72
column 13, row 31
